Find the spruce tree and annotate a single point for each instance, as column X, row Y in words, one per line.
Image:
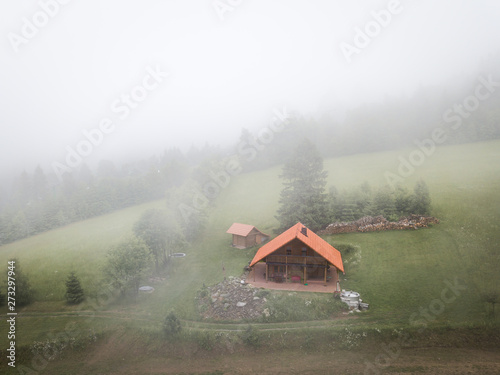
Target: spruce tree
column 74, row 292
column 303, row 197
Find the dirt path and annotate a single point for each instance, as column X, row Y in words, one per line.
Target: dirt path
column 196, row 324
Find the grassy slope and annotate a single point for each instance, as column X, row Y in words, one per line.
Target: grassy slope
column 49, row 257
column 399, row 272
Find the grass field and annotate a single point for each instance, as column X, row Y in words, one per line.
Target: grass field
column 403, row 275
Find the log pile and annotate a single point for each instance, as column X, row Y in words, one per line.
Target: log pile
column 379, row 223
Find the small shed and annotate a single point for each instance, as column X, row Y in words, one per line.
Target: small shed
column 245, row 235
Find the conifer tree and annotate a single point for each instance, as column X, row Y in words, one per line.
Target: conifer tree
column 74, row 292
column 303, row 197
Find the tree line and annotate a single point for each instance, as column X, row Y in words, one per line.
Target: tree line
column 37, row 203
column 392, row 203
column 304, row 197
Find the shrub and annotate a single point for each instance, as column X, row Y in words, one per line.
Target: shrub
column 251, row 337
column 172, row 325
column 206, row 340
column 203, row 292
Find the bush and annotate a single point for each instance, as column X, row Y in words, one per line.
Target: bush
column 203, row 292
column 206, row 340
column 251, row 337
column 172, row 325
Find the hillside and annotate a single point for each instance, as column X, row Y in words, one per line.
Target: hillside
column 444, row 269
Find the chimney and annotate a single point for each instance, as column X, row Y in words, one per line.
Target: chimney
column 304, row 231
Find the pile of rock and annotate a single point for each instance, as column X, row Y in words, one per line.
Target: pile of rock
column 379, row 223
column 231, row 299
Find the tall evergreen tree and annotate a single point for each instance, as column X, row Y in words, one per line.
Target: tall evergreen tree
column 303, row 197
column 74, row 291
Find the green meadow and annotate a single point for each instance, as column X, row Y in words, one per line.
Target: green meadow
column 398, row 273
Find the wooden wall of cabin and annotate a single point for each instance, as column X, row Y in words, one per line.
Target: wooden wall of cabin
column 296, row 246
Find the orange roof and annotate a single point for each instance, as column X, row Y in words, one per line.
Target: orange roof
column 315, row 242
column 242, row 229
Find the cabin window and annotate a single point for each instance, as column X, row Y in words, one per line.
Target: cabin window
column 279, row 269
column 304, row 251
column 288, row 250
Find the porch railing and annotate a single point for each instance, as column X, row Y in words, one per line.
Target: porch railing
column 296, row 260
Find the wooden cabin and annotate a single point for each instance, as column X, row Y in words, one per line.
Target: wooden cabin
column 245, row 235
column 299, row 255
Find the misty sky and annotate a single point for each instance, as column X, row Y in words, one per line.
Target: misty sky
column 226, row 70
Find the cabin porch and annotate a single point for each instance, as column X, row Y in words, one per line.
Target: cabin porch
column 292, row 278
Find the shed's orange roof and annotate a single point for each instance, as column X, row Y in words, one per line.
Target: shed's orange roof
column 242, row 229
column 315, row 242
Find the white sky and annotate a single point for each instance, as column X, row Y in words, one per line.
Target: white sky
column 224, row 74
